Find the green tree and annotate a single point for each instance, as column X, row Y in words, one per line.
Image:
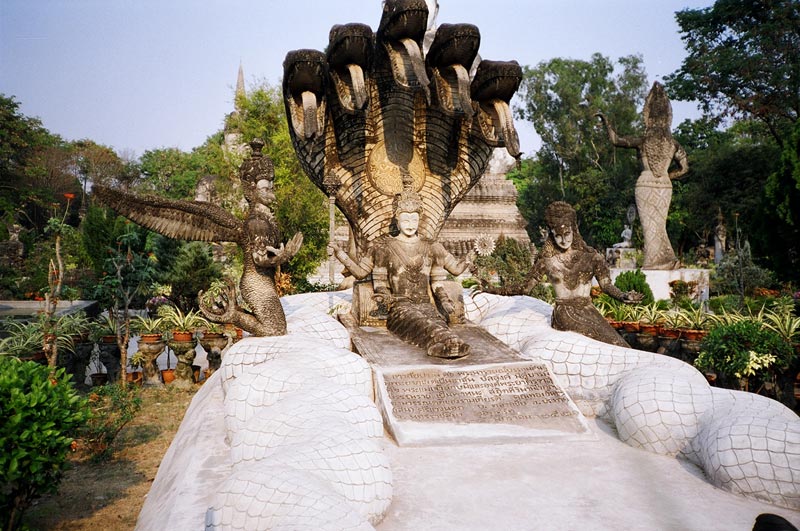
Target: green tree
column 576, row 163
column 743, row 63
column 170, row 172
column 301, row 206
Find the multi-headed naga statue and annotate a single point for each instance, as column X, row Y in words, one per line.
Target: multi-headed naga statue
column 656, row 149
column 376, row 116
column 258, row 235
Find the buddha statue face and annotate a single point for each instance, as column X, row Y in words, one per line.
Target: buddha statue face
column 562, row 236
column 408, row 223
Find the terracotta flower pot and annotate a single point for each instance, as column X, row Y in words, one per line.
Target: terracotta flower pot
column 108, row 339
column 671, row 333
column 134, row 377
column 168, row 375
column 630, row 326
column 150, row 338
column 178, row 335
column 694, row 335
column 648, row 329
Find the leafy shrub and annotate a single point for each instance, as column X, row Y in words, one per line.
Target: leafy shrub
column 40, row 412
column 112, row 407
column 510, row 262
column 737, row 273
column 744, row 350
column 636, row 281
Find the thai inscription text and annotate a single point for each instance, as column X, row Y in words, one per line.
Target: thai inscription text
column 508, row 394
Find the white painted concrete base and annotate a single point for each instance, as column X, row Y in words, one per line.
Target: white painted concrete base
column 594, row 485
column 659, row 280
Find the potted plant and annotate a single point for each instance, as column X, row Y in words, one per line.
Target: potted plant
column 150, row 329
column 671, row 322
column 696, row 322
column 743, row 353
column 24, row 340
column 137, row 361
column 104, row 329
column 214, row 331
column 650, row 319
column 76, row 325
column 181, row 325
column 631, row 321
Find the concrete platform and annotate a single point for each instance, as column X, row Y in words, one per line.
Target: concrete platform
column 579, row 485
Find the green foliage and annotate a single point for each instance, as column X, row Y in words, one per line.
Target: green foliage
column 743, row 62
column 636, row 281
column 170, row 172
column 301, row 206
column 742, row 59
column 41, row 414
column 112, row 408
column 737, row 273
column 744, row 349
column 510, row 263
column 193, row 270
column 576, row 163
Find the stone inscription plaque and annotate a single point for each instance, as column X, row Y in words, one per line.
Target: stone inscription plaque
column 519, row 394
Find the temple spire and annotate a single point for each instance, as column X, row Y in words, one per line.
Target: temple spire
column 239, row 86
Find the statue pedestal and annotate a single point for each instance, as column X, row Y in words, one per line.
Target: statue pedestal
column 659, row 280
column 492, row 395
column 621, row 257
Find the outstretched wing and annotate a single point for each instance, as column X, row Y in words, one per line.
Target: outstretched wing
column 182, row 220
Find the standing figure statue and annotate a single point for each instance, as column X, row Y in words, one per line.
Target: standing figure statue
column 656, row 150
column 258, row 235
column 570, row 264
column 408, row 279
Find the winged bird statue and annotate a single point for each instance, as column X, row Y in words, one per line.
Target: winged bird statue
column 257, row 234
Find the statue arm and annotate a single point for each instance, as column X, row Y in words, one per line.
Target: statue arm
column 619, row 141
column 450, row 263
column 359, row 269
column 282, row 254
column 682, row 161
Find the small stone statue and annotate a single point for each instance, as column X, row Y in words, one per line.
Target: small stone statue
column 626, row 235
column 570, row 265
column 720, row 235
column 406, row 269
column 656, row 149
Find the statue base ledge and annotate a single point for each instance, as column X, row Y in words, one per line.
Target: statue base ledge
column 490, row 396
column 659, row 279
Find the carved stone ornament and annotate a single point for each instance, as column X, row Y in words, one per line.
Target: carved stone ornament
column 258, row 235
column 570, row 264
column 375, row 110
column 657, row 149
column 394, row 123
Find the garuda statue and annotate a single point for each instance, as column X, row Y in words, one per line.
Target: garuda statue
column 375, row 116
column 656, row 149
column 258, row 235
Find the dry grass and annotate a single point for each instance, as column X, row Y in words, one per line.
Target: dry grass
column 109, row 495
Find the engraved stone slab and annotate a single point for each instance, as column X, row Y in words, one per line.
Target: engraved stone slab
column 490, row 396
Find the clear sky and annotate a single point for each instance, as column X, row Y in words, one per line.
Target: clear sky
column 142, row 74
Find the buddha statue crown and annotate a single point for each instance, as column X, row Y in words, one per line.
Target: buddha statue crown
column 560, row 214
column 408, row 200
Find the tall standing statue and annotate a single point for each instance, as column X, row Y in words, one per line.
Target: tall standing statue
column 258, row 235
column 656, row 150
column 376, row 116
column 570, row 265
